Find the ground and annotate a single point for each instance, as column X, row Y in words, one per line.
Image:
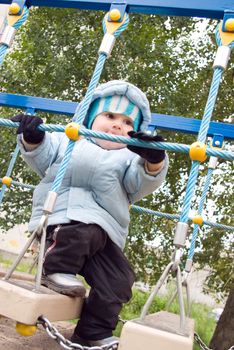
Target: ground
column 11, row 340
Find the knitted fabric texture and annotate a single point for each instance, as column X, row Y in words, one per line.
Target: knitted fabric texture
column 115, row 104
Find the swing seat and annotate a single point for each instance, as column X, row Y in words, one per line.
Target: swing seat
column 157, row 331
column 20, row 302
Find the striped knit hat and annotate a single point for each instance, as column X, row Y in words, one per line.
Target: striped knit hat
column 115, row 104
column 121, row 97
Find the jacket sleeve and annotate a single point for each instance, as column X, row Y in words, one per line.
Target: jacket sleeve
column 43, row 156
column 138, row 183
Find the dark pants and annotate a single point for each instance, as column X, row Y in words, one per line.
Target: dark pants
column 86, row 249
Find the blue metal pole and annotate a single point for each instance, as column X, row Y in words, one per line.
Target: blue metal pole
column 191, row 8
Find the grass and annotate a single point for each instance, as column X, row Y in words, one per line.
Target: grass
column 204, row 324
column 22, row 267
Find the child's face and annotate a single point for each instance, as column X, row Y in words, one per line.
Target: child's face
column 112, row 123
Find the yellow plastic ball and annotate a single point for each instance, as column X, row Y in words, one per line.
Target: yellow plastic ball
column 197, row 219
column 14, row 8
column 72, row 131
column 198, row 151
column 25, row 330
column 7, row 180
column 115, row 15
column 229, row 25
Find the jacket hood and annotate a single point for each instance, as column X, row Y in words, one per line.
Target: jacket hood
column 123, row 88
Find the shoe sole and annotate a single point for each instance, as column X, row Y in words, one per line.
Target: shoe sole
column 75, row 291
column 75, row 339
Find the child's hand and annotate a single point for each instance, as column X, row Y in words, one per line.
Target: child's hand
column 151, row 155
column 28, row 126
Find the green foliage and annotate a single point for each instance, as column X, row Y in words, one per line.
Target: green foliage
column 54, row 56
column 204, row 323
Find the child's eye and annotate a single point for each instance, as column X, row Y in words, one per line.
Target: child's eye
column 109, row 116
column 128, row 122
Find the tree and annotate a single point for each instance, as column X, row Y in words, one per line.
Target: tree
column 55, row 53
column 223, row 337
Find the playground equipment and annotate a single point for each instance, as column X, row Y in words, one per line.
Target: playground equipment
column 159, row 331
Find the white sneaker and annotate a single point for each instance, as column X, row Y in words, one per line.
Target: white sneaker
column 104, row 343
column 64, row 283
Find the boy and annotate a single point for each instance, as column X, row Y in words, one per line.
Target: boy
column 87, row 231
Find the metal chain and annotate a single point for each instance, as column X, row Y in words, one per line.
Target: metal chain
column 122, row 321
column 67, row 344
column 200, row 342
column 202, row 345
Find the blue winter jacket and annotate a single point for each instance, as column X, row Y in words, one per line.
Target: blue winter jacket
column 98, row 185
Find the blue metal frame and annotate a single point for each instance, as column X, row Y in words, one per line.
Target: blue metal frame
column 227, row 15
column 159, row 121
column 190, row 8
column 198, row 8
column 119, row 6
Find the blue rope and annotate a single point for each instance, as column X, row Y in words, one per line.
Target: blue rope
column 80, row 114
column 120, row 29
column 141, row 210
column 219, row 40
column 176, row 217
column 16, row 25
column 79, row 118
column 210, row 104
column 200, row 208
column 9, row 171
column 173, row 147
column 19, row 184
column 190, row 189
column 3, row 52
column 202, row 138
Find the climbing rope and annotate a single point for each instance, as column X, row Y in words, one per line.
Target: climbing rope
column 79, row 116
column 9, row 171
column 219, row 37
column 171, row 147
column 13, row 23
column 219, row 66
column 200, row 209
column 81, row 112
column 224, row 47
column 141, row 210
column 17, row 184
column 105, row 49
column 198, row 153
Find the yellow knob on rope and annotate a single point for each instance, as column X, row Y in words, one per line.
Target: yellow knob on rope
column 14, row 8
column 115, row 15
column 72, row 131
column 197, row 219
column 229, row 25
column 25, row 330
column 6, row 180
column 198, row 151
